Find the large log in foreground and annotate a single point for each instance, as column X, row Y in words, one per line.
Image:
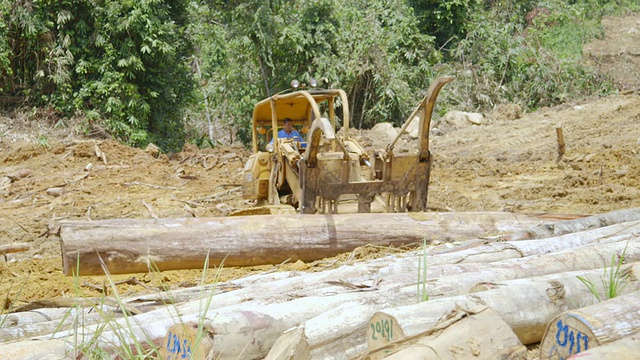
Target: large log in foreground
column 478, row 333
column 137, row 245
column 626, row 348
column 575, row 331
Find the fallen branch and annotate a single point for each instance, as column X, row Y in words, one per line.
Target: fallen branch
column 133, row 183
column 152, row 213
column 13, row 248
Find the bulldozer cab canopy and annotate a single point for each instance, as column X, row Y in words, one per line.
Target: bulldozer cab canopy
column 302, row 107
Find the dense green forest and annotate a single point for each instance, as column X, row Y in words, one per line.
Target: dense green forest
column 162, row 70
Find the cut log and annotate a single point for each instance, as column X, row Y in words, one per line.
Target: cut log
column 32, row 329
column 396, row 288
column 50, row 349
column 576, row 225
column 31, row 317
column 247, row 330
column 527, row 305
column 626, row 348
column 239, row 326
column 185, row 341
column 461, row 334
column 290, row 346
column 481, row 251
column 340, row 319
column 578, row 330
column 131, row 245
column 341, row 332
column 382, row 268
column 459, row 279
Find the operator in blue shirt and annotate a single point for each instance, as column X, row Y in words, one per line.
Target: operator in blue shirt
column 289, row 133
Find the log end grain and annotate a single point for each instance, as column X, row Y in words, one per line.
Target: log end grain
column 481, row 334
column 567, row 334
column 383, row 329
column 183, row 341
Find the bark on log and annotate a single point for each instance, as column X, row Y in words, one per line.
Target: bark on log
column 51, row 349
column 43, row 320
column 131, row 245
column 577, row 330
column 341, row 332
column 459, row 279
column 527, row 305
column 361, row 272
column 444, row 280
column 462, row 334
column 572, row 226
column 33, row 316
column 477, row 251
column 154, row 325
column 290, row 346
column 274, row 284
column 626, row 348
column 29, row 330
column 453, row 279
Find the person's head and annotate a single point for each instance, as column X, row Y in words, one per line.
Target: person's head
column 288, row 125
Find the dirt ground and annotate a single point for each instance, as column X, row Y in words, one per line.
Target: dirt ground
column 508, row 163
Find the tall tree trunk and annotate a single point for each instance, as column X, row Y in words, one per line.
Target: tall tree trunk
column 263, row 73
column 196, row 63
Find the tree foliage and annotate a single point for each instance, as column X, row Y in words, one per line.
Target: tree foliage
column 446, row 20
column 131, row 66
column 371, row 49
column 116, row 62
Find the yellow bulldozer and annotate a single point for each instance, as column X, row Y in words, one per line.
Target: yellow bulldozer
column 328, row 171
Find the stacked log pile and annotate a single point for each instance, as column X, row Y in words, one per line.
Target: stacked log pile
column 491, row 292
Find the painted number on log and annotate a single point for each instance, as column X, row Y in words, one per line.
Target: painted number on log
column 382, row 329
column 178, row 347
column 568, row 341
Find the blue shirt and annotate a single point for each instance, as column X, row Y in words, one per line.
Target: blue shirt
column 294, row 134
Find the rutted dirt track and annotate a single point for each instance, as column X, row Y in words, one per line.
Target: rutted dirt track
column 509, row 163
